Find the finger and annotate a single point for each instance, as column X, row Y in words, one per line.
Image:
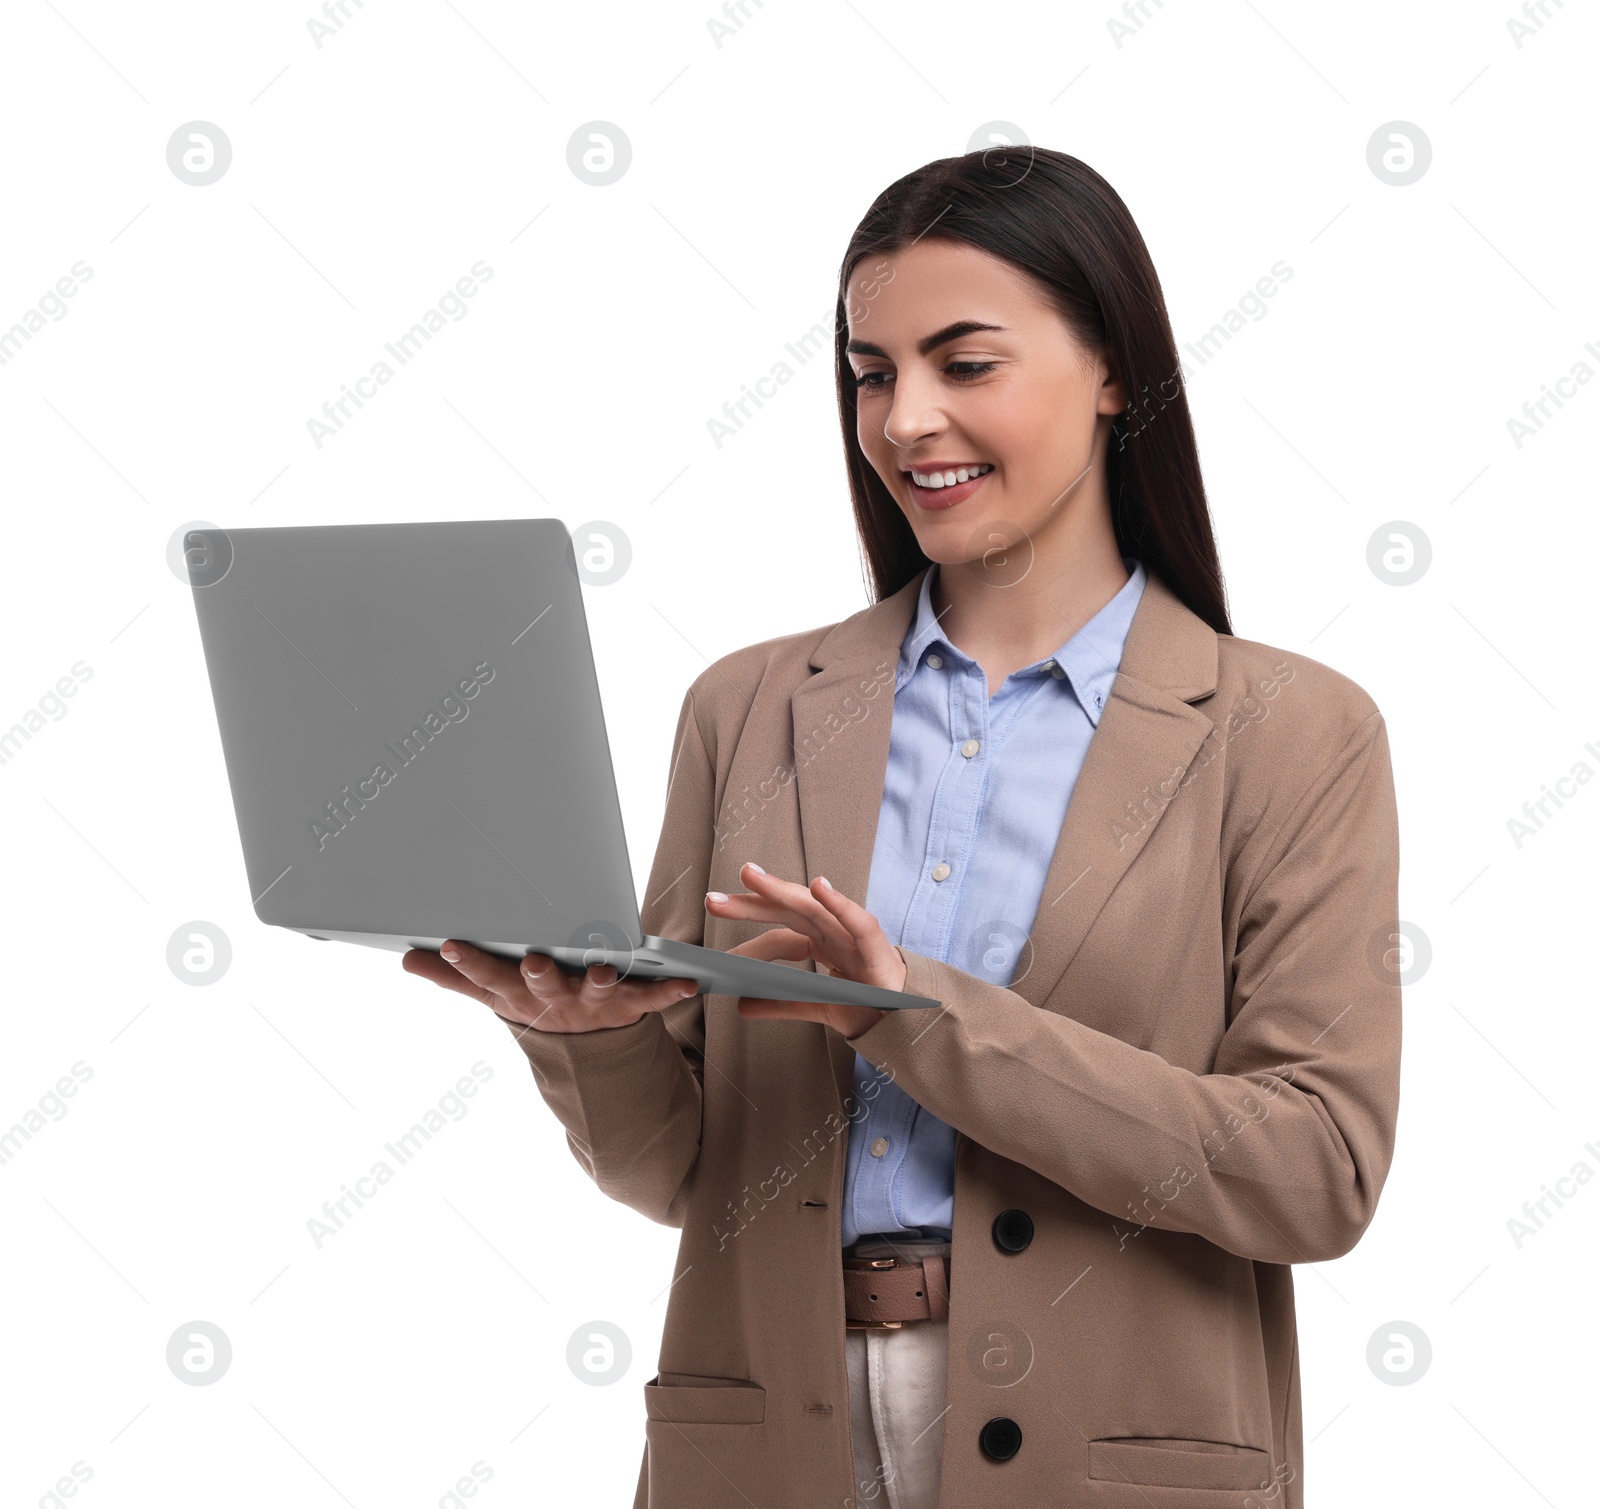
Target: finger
column 776, row 943
column 786, row 943
column 865, row 931
column 543, row 977
column 550, row 985
column 559, row 982
column 668, row 992
column 605, row 992
column 810, row 902
column 489, row 971
column 761, row 1009
column 774, row 900
column 597, row 988
column 555, row 989
column 427, row 965
column 784, row 892
column 749, row 907
column 546, row 983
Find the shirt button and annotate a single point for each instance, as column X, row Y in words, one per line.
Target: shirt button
column 941, row 870
column 936, row 660
column 1056, row 671
column 880, row 1146
column 970, row 748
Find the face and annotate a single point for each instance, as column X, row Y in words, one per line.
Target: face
column 963, row 367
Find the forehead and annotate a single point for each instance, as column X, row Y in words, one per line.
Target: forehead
column 897, row 298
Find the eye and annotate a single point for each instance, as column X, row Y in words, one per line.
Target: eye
column 956, row 371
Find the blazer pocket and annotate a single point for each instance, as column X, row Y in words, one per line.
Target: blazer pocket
column 1169, row 1462
column 690, row 1399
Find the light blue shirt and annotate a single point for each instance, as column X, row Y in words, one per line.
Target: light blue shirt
column 974, row 796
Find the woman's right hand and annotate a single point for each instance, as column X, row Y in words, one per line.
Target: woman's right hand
column 539, row 993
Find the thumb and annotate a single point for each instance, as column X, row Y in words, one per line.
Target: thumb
column 775, row 943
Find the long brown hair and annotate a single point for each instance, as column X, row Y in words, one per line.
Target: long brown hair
column 1058, row 220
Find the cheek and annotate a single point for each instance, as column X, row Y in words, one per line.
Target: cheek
column 1006, row 429
column 882, row 457
column 1036, row 430
column 869, row 432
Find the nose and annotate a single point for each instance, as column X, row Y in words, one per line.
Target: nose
column 915, row 413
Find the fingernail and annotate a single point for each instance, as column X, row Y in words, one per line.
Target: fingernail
column 451, row 954
column 684, row 994
column 824, row 882
column 752, row 865
column 718, row 896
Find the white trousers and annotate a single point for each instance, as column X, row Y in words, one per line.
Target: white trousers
column 897, row 1400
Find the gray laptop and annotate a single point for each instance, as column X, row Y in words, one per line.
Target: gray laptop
column 416, row 749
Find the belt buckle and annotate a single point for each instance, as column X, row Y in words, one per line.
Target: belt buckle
column 864, row 1264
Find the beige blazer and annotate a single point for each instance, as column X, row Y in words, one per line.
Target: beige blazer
column 1191, row 1083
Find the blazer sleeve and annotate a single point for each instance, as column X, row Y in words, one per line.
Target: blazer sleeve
column 629, row 1097
column 1279, row 1153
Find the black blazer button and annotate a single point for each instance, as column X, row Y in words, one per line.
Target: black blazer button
column 1000, row 1439
column 1013, row 1230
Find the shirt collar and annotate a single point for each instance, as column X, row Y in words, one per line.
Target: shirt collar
column 1089, row 658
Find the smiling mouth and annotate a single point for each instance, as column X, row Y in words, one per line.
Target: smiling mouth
column 949, row 476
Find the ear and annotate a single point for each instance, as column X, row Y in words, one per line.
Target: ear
column 1112, row 398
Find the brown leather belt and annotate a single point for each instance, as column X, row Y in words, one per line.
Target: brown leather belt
column 882, row 1293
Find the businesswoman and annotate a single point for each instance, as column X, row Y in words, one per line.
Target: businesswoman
column 1032, row 1245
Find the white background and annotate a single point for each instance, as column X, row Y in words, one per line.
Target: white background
column 368, row 174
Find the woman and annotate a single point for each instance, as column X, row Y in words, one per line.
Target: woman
column 1165, row 1064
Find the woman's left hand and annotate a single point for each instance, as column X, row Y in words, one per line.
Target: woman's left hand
column 818, row 923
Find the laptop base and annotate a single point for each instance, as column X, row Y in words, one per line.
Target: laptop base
column 716, row 972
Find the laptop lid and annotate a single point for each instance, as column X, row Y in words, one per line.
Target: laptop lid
column 413, row 732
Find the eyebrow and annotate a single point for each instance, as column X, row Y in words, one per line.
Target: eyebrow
column 927, row 343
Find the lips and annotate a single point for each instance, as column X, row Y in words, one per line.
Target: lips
column 935, row 499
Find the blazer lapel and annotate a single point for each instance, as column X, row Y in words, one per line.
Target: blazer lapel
column 1147, row 736
column 842, row 755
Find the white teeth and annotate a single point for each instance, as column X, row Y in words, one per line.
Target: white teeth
column 936, row 480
